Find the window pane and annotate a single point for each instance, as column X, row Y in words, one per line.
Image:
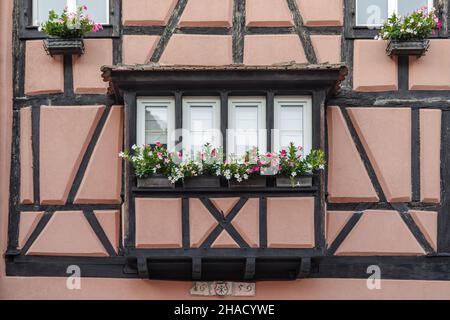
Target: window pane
column 286, row 137
column 246, row 133
column 202, row 123
column 156, row 124
column 406, row 7
column 97, row 9
column 291, row 117
column 371, row 12
column 201, row 118
column 42, row 8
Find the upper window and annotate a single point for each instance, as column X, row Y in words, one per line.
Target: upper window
column 98, row 10
column 292, row 123
column 247, row 125
column 373, row 13
column 201, row 123
column 155, row 120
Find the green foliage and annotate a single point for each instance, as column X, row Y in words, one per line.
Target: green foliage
column 148, row 161
column 418, row 25
column 69, row 24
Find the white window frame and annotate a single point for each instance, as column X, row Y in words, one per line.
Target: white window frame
column 392, row 8
column 71, row 4
column 234, row 102
column 190, row 101
column 141, row 104
column 306, row 102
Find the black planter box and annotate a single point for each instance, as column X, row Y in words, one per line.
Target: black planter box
column 407, row 47
column 62, row 46
column 201, row 182
column 155, row 182
column 299, row 182
column 252, row 182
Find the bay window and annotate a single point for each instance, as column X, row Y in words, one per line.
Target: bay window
column 373, row 13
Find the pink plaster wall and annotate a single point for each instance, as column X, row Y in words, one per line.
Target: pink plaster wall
column 430, row 155
column 271, row 49
column 348, row 180
column 373, row 70
column 158, row 223
column 432, row 71
column 65, row 133
column 207, row 13
column 138, row 49
column 147, row 13
column 321, row 12
column 43, row 74
column 304, row 289
column 86, row 68
column 268, row 13
column 186, row 49
column 290, row 222
column 386, row 136
column 380, row 233
column 26, row 158
column 102, row 181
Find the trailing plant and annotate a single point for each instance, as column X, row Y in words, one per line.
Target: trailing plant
column 69, row 24
column 148, row 161
column 418, row 25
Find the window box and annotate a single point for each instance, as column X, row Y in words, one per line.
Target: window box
column 61, row 46
column 286, row 182
column 157, row 181
column 252, row 182
column 201, row 182
column 407, row 47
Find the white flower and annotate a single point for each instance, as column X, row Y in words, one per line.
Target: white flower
column 294, row 174
column 237, row 176
column 134, row 147
column 122, row 154
column 322, row 167
column 245, row 176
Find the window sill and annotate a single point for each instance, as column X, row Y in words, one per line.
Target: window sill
column 31, row 33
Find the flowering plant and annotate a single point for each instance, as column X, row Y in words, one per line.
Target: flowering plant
column 251, row 164
column 69, row 24
column 207, row 162
column 293, row 164
column 418, row 25
column 148, row 161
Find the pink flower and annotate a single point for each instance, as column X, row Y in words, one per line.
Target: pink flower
column 85, row 7
column 439, row 24
column 158, row 143
column 283, row 153
column 213, row 153
column 269, row 155
column 159, row 155
column 226, row 162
